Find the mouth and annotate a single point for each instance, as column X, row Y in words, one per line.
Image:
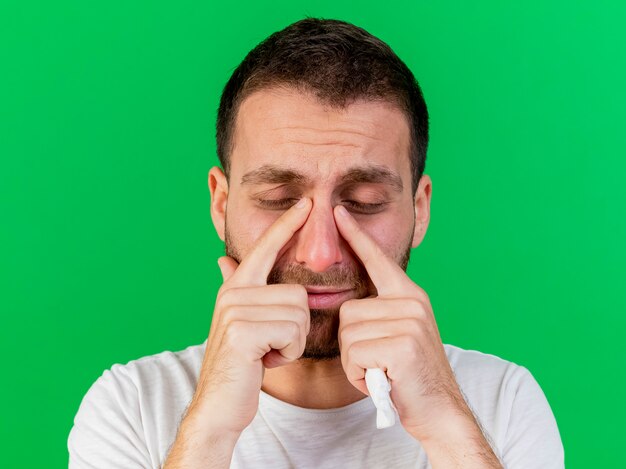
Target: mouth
column 328, row 297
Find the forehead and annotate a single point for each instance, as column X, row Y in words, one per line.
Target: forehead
column 286, row 127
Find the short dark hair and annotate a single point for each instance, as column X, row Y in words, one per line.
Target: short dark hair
column 337, row 61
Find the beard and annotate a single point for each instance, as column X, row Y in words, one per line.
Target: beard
column 322, row 342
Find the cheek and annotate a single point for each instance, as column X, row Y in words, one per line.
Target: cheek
column 258, row 222
column 391, row 232
column 246, row 226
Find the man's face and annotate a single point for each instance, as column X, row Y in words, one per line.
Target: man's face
column 287, row 145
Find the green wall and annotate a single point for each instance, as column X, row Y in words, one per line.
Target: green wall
column 107, row 252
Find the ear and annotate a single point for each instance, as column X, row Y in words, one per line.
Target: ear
column 422, row 209
column 218, row 186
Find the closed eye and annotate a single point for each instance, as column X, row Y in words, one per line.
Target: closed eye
column 353, row 205
column 278, row 204
column 363, row 207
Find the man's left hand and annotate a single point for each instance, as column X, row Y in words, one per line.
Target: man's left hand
column 396, row 331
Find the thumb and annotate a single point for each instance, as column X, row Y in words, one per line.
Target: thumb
column 227, row 266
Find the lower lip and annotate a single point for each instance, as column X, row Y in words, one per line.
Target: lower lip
column 328, row 300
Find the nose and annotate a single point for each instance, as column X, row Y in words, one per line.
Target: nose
column 318, row 242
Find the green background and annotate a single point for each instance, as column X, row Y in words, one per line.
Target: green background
column 107, row 251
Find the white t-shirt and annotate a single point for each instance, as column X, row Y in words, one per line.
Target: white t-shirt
column 129, row 418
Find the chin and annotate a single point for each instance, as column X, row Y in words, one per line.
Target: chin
column 322, row 343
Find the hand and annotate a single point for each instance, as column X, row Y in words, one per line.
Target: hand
column 396, row 331
column 255, row 326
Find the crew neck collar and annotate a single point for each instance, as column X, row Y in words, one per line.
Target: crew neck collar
column 282, row 406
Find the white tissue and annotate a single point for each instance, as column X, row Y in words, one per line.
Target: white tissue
column 378, row 386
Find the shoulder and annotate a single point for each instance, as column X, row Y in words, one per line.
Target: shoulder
column 473, row 365
column 151, row 386
column 510, row 406
column 164, row 368
column 131, row 412
column 488, row 380
column 153, row 379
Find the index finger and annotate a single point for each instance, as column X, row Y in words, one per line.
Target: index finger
column 256, row 266
column 387, row 275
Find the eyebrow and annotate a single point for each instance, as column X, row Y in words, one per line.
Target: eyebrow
column 270, row 174
column 376, row 174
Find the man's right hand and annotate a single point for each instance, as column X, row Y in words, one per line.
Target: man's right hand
column 254, row 326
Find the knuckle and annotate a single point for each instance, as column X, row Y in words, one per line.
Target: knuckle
column 292, row 293
column 226, row 295
column 414, row 325
column 234, row 334
column 354, row 351
column 408, row 345
column 348, row 333
column 227, row 314
column 421, row 293
column 298, row 293
column 292, row 329
column 300, row 316
column 221, row 292
column 345, row 309
column 417, row 306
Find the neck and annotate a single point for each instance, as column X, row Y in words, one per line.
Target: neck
column 311, row 384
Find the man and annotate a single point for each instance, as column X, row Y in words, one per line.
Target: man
column 322, row 134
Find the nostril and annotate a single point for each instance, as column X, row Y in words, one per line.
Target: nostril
column 318, row 245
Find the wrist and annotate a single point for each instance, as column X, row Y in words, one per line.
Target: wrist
column 458, row 442
column 450, row 420
column 198, row 444
column 199, row 425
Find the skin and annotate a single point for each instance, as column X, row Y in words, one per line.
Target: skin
column 260, row 331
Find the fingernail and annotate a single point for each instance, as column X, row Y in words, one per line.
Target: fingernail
column 302, row 202
column 342, row 210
